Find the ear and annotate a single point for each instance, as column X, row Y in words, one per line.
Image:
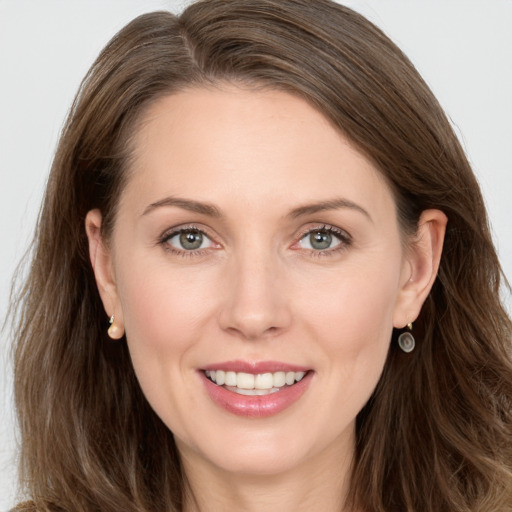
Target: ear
column 101, row 261
column 420, row 267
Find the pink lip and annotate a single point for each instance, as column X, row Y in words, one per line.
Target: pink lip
column 255, row 367
column 256, row 406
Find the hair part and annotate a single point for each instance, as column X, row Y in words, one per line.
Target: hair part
column 436, row 432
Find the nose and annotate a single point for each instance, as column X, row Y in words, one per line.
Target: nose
column 255, row 304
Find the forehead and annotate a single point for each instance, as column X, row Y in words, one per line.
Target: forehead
column 231, row 144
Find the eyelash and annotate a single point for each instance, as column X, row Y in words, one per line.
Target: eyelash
column 168, row 235
column 344, row 238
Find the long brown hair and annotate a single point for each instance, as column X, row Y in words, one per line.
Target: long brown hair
column 436, row 434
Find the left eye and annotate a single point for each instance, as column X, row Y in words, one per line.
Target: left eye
column 320, row 240
column 189, row 240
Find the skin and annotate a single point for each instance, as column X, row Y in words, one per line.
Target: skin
column 257, row 290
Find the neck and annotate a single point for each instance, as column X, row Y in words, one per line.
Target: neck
column 319, row 483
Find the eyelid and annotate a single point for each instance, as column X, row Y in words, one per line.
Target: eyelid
column 343, row 236
column 341, row 233
column 169, row 233
column 205, row 239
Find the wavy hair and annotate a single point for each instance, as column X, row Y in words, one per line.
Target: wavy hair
column 437, row 432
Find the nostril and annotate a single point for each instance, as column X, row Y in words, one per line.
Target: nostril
column 253, row 333
column 254, row 321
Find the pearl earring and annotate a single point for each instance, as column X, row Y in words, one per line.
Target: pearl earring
column 114, row 331
column 406, row 340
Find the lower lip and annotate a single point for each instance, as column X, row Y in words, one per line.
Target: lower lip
column 256, row 406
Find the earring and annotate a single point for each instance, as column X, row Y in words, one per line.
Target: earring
column 406, row 340
column 114, row 331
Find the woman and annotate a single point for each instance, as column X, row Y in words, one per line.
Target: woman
column 253, row 199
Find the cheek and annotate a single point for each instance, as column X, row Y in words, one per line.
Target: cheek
column 354, row 307
column 352, row 322
column 164, row 316
column 352, row 327
column 161, row 308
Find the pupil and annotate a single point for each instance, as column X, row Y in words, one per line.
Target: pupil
column 320, row 240
column 191, row 240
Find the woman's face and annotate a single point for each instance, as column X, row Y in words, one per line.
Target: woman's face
column 254, row 245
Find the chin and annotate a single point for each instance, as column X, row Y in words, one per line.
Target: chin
column 259, row 461
column 253, row 451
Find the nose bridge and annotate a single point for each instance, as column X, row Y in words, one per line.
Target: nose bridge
column 255, row 304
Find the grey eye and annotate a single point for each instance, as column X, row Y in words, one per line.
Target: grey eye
column 189, row 240
column 320, row 240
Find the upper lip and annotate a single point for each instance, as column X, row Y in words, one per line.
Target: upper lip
column 255, row 367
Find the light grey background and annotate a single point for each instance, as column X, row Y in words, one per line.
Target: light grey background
column 462, row 47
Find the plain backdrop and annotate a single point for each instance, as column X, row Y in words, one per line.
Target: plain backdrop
column 463, row 48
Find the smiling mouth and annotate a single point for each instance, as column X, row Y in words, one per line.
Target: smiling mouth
column 254, row 384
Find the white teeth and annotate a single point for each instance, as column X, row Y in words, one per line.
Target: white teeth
column 279, row 379
column 220, row 377
column 259, row 382
column 263, row 381
column 299, row 376
column 244, row 380
column 253, row 392
column 230, row 379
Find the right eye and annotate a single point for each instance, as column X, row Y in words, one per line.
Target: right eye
column 188, row 240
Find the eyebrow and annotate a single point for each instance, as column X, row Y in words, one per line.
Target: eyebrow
column 212, row 211
column 186, row 204
column 332, row 204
